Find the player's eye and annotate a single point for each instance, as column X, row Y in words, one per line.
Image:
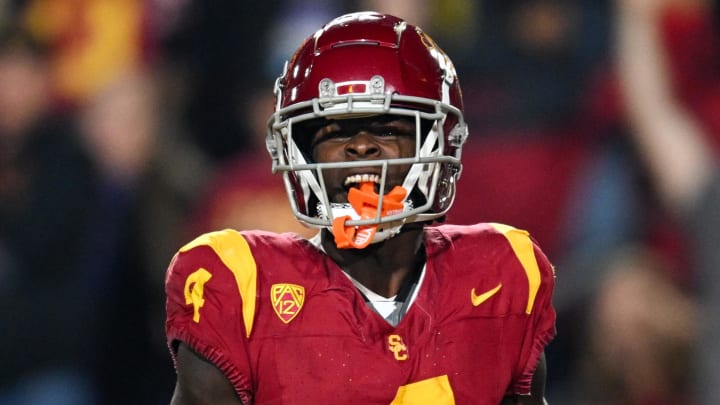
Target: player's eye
column 394, row 130
column 387, row 132
column 328, row 132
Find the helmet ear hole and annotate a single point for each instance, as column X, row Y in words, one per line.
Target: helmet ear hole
column 445, row 192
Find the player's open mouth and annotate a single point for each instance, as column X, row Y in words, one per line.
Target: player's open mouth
column 356, row 179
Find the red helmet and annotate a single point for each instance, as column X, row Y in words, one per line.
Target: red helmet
column 364, row 64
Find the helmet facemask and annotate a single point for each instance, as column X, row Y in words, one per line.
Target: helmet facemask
column 429, row 183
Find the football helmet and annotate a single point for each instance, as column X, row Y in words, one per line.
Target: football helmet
column 358, row 65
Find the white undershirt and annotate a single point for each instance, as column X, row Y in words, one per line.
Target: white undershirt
column 383, row 305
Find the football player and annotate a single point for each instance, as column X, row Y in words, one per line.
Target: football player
column 385, row 305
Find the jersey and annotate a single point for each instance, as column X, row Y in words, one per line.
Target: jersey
column 282, row 321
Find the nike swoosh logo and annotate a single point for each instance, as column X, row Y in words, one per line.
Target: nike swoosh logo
column 479, row 299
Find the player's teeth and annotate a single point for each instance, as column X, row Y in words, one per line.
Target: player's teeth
column 362, row 178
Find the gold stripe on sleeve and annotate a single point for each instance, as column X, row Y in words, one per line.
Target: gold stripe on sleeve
column 234, row 251
column 523, row 248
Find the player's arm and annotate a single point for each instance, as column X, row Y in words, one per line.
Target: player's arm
column 199, row 382
column 537, row 389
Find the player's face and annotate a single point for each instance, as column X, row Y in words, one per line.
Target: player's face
column 370, row 138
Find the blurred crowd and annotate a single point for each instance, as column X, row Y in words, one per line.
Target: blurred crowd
column 129, row 126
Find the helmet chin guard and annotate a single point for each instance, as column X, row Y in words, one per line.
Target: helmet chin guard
column 360, row 65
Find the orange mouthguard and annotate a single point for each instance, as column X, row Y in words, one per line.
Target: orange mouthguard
column 365, row 202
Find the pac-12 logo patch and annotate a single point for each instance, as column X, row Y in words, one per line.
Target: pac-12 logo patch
column 287, row 300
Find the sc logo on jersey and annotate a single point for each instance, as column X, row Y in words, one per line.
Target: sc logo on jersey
column 397, row 347
column 287, row 300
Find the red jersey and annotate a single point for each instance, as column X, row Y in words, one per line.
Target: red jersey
column 286, row 326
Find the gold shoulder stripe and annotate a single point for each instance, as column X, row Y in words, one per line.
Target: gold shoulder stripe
column 234, row 251
column 523, row 248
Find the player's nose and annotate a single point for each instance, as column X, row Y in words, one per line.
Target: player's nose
column 362, row 145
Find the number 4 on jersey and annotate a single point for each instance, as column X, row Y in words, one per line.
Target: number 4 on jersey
column 194, row 290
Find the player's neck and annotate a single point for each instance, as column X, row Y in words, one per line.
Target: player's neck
column 382, row 267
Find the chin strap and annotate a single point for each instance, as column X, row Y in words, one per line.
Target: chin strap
column 365, row 202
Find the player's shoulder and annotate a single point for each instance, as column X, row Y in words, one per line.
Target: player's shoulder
column 223, row 240
column 487, row 232
column 226, row 242
column 506, row 255
column 228, row 249
column 499, row 243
